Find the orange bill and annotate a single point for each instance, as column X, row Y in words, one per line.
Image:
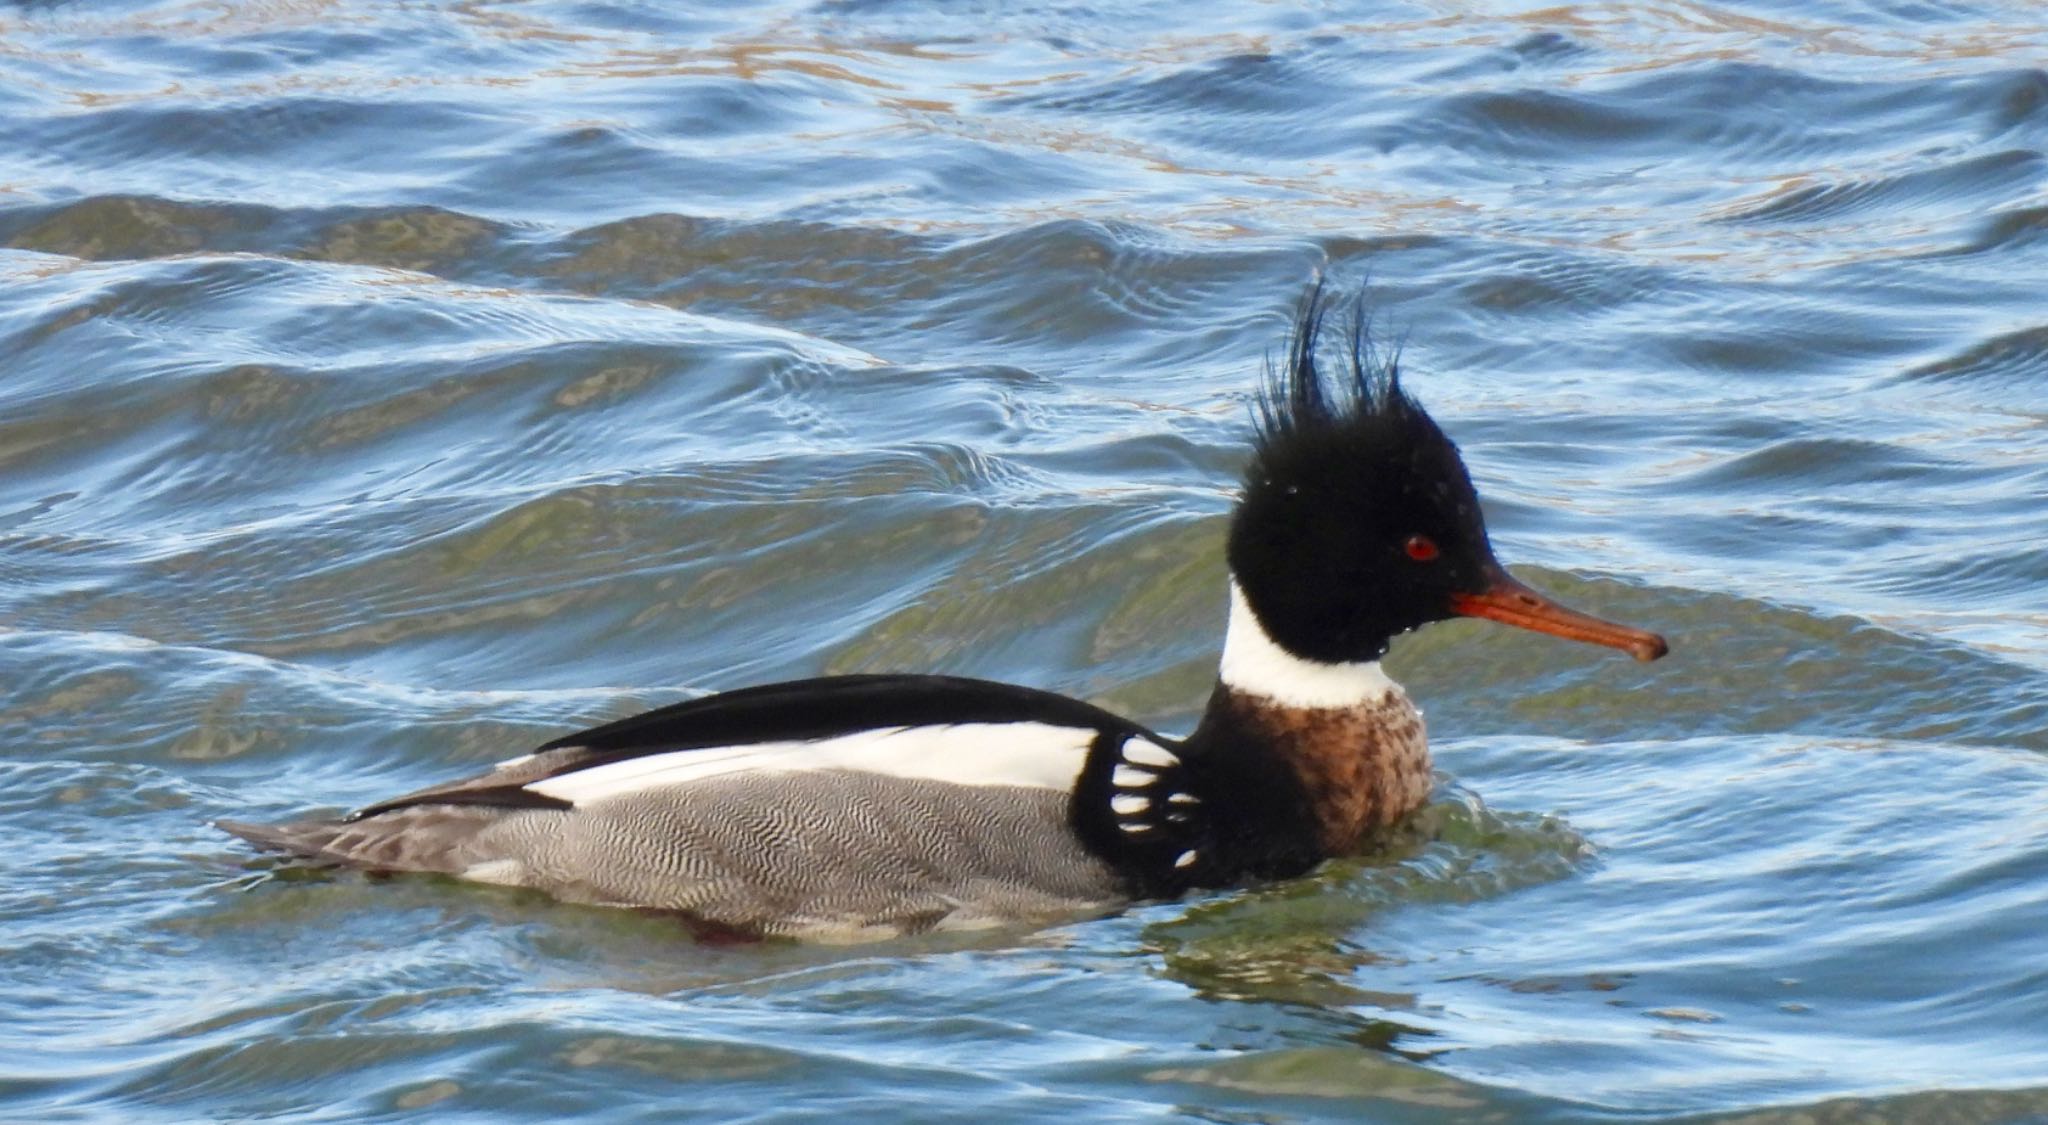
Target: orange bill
column 1509, row 602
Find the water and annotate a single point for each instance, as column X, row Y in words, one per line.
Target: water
column 390, row 387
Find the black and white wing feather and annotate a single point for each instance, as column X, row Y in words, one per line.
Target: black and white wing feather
column 944, row 728
column 1138, row 806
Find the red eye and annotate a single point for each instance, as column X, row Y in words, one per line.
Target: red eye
column 1421, row 548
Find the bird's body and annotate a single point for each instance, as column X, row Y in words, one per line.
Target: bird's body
column 859, row 806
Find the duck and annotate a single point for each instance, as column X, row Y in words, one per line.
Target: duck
column 856, row 807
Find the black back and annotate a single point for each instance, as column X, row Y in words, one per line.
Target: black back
column 803, row 710
column 795, row 711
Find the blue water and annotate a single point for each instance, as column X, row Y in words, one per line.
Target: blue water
column 386, row 388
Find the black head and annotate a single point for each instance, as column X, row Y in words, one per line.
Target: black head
column 1359, row 522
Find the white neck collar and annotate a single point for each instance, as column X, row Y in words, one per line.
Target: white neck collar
column 1254, row 664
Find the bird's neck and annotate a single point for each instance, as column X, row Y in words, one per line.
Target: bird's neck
column 1254, row 664
column 1348, row 733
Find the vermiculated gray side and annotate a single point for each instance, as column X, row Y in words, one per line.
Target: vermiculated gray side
column 798, row 852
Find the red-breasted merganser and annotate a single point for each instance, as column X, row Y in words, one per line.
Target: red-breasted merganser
column 871, row 805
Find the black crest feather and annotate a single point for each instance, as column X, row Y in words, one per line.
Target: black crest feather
column 1299, row 396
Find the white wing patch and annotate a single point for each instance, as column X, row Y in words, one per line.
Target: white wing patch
column 1037, row 755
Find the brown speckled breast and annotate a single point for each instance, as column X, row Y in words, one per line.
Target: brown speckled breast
column 1363, row 767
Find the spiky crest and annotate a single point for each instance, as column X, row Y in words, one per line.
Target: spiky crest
column 1298, row 397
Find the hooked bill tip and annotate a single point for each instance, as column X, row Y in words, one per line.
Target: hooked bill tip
column 1506, row 600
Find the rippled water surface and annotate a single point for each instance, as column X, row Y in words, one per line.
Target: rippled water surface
column 388, row 387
